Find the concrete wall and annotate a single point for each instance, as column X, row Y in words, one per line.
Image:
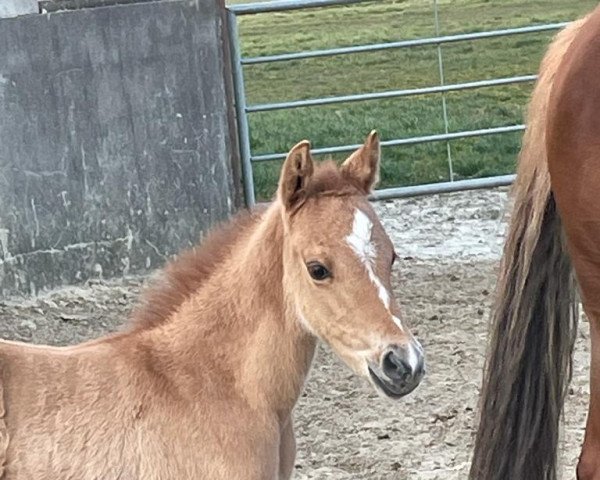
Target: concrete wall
column 117, row 139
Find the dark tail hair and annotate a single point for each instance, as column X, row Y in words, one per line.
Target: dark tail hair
column 534, row 321
column 529, row 365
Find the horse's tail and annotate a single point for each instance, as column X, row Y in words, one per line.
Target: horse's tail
column 534, row 320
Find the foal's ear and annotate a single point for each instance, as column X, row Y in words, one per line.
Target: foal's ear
column 296, row 174
column 363, row 165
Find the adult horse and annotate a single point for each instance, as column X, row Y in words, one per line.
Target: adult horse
column 535, row 317
column 202, row 386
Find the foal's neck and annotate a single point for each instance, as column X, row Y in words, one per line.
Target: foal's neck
column 239, row 331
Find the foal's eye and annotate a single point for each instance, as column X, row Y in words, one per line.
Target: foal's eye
column 318, row 271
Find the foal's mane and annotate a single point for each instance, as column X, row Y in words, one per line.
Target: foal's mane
column 184, row 275
column 190, row 270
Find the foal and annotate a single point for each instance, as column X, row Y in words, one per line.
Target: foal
column 202, row 386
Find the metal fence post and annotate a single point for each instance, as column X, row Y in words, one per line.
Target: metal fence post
column 240, row 110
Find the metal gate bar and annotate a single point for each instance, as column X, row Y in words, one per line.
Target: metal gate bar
column 420, row 42
column 401, row 141
column 314, row 102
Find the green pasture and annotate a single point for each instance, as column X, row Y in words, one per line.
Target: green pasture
column 381, row 21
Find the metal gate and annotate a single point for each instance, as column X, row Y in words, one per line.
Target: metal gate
column 244, row 109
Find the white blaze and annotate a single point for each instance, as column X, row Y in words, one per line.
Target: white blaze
column 360, row 241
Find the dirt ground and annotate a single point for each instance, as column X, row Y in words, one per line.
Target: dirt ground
column 449, row 247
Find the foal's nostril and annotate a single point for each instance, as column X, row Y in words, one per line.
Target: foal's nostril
column 401, row 369
column 396, row 367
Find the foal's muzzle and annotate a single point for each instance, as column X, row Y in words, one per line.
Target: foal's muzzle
column 400, row 369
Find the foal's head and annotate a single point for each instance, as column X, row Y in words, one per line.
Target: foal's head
column 338, row 263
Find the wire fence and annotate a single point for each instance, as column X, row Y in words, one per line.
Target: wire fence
column 442, row 88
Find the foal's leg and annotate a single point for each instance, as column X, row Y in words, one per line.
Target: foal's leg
column 287, row 451
column 589, row 461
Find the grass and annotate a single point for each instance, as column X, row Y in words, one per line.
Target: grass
column 382, row 21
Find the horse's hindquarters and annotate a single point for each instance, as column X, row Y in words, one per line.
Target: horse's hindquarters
column 573, row 144
column 573, row 149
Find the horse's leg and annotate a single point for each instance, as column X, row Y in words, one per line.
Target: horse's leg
column 589, row 461
column 576, row 192
column 582, row 225
column 287, row 451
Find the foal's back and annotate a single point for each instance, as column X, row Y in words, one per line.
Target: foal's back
column 56, row 401
column 105, row 410
column 90, row 411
